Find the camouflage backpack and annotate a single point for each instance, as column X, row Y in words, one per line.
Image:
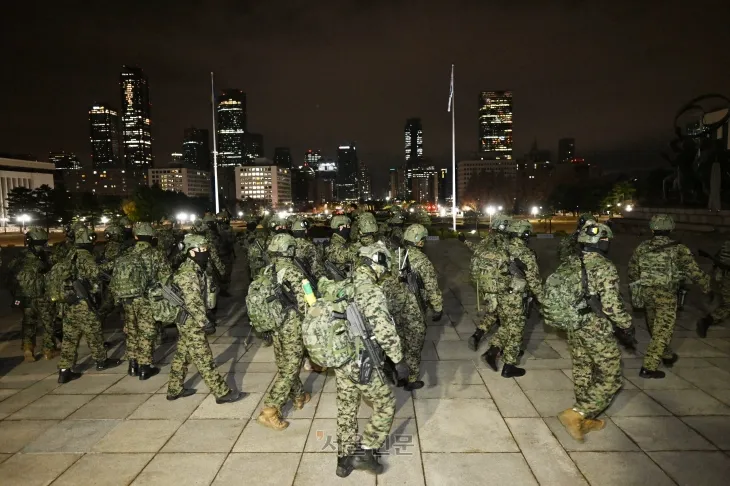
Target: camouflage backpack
column 130, row 278
column 490, row 268
column 59, row 279
column 265, row 309
column 162, row 309
column 325, row 329
column 564, row 303
column 658, row 266
column 28, row 284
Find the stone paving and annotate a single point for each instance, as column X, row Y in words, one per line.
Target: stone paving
column 466, row 426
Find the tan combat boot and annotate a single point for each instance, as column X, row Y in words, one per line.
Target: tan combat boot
column 573, row 423
column 302, row 400
column 589, row 425
column 49, row 354
column 270, row 417
column 29, row 353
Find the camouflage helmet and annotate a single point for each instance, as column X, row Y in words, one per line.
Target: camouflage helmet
column 197, row 224
column 278, row 220
column 143, row 229
column 500, row 222
column 415, row 234
column 376, row 253
column 84, row 236
column 396, row 219
column 299, row 224
column 208, row 218
column 340, row 220
column 192, row 241
column 366, row 224
column 584, row 218
column 519, row 227
column 223, row 215
column 661, row 222
column 282, row 244
column 113, row 229
column 36, row 236
column 592, row 232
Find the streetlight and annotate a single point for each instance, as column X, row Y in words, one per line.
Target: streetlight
column 500, row 208
column 535, row 210
column 182, row 217
column 240, row 214
column 24, row 218
column 628, row 208
column 490, row 212
column 104, row 220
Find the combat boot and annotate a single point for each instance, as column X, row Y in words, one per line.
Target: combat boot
column 490, row 357
column 656, row 374
column 703, row 324
column 49, row 354
column 107, row 363
column 413, row 385
column 147, row 371
column 270, row 417
column 302, row 400
column 65, row 375
column 367, row 460
column 29, row 353
column 511, row 371
column 669, row 362
column 573, row 423
column 186, row 392
column 475, row 339
column 344, row 466
column 133, row 369
column 589, row 425
column 230, row 397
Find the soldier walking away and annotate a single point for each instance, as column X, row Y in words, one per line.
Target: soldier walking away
column 593, row 347
column 29, row 293
column 306, row 251
column 374, row 264
column 76, row 278
column 192, row 345
column 721, row 275
column 656, row 269
column 288, row 345
column 337, row 252
column 568, row 246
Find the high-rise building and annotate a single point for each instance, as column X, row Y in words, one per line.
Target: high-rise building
column 176, row 159
column 347, row 168
column 393, row 184
column 106, row 147
column 253, row 146
column 269, row 183
column 312, row 158
column 365, row 190
column 189, row 181
column 326, row 181
column 64, row 161
column 303, row 183
column 413, row 141
column 495, row 125
column 444, row 179
column 424, row 185
column 136, row 120
column 282, row 157
column 566, row 150
column 196, row 149
column 231, row 127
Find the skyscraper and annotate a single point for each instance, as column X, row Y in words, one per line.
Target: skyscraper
column 231, row 127
column 312, row 158
column 253, row 144
column 65, row 160
column 365, row 190
column 282, row 157
column 137, row 125
column 495, row 125
column 106, row 147
column 196, row 149
column 566, row 150
column 413, row 141
column 347, row 168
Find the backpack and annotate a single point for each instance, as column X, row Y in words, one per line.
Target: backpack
column 658, row 266
column 490, row 268
column 264, row 303
column 564, row 303
column 59, row 280
column 28, row 282
column 130, row 278
column 162, row 310
column 326, row 330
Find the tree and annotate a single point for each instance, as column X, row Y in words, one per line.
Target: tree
column 20, row 201
column 51, row 206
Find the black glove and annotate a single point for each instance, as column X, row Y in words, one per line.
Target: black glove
column 437, row 316
column 402, row 371
column 209, row 328
column 626, row 337
column 461, row 237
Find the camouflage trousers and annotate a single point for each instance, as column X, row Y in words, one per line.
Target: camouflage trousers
column 349, row 393
column 411, row 326
column 40, row 312
column 288, row 351
column 79, row 319
column 141, row 330
column 596, row 366
column 722, row 312
column 193, row 347
column 512, row 326
column 661, row 315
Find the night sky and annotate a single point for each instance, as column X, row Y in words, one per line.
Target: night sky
column 322, row 72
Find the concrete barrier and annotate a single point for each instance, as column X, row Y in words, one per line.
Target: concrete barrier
column 686, row 220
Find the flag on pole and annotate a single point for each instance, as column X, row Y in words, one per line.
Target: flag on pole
column 451, row 88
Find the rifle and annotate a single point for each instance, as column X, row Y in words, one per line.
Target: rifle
column 82, row 293
column 171, row 294
column 334, row 271
column 413, row 281
column 517, row 268
column 264, row 255
column 286, row 298
column 716, row 261
column 371, row 355
column 307, row 274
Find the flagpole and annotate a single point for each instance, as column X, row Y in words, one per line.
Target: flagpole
column 215, row 146
column 453, row 150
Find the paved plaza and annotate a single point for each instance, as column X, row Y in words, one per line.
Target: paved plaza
column 468, row 425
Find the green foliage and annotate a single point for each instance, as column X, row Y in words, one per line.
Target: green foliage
column 46, row 206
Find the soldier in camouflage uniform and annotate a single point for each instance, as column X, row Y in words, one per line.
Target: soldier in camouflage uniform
column 28, row 269
column 497, row 237
column 568, row 246
column 288, row 345
column 164, row 242
column 354, row 214
column 113, row 248
column 220, row 266
column 192, row 345
column 227, row 247
column 370, row 300
column 256, row 250
column 723, row 277
column 656, row 269
column 79, row 316
column 338, row 252
column 593, row 347
column 138, row 319
column 63, row 248
column 395, row 225
column 412, row 337
column 510, row 304
column 306, row 251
